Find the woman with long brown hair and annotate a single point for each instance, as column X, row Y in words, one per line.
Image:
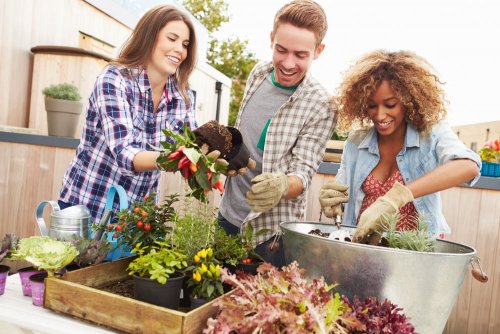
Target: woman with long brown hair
column 142, row 92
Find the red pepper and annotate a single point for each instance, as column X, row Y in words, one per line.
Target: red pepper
column 193, row 167
column 174, row 155
column 209, row 175
column 185, row 172
column 183, row 162
column 219, row 185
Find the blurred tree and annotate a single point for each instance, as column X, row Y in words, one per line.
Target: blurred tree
column 229, row 56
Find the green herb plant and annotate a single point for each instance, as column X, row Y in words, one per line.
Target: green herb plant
column 228, row 248
column 417, row 240
column 158, row 262
column 64, row 91
column 201, row 171
column 193, row 227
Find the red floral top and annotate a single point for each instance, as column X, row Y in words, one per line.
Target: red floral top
column 373, row 189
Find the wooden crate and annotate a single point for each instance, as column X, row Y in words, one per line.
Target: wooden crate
column 75, row 294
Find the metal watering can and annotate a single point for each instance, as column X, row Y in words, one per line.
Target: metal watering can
column 67, row 224
column 76, row 221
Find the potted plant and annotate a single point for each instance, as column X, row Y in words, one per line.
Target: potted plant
column 490, row 156
column 90, row 251
column 63, row 109
column 144, row 222
column 158, row 275
column 46, row 254
column 9, row 243
column 205, row 281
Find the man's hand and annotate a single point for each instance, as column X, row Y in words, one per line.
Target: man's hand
column 374, row 219
column 266, row 191
column 331, row 196
column 214, row 155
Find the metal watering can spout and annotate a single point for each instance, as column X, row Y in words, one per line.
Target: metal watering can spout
column 66, row 224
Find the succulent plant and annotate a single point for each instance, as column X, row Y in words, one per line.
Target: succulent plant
column 91, row 251
column 9, row 242
column 417, row 240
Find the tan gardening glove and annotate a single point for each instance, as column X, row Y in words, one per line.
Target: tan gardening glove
column 374, row 219
column 331, row 196
column 266, row 191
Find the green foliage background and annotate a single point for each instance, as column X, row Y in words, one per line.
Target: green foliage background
column 229, row 56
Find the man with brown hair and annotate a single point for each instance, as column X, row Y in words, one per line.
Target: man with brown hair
column 286, row 118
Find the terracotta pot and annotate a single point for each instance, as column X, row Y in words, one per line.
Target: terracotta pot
column 166, row 295
column 4, row 272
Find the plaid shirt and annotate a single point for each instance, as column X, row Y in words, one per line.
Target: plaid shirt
column 120, row 123
column 295, row 143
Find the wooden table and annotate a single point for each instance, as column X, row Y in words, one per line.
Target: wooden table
column 19, row 316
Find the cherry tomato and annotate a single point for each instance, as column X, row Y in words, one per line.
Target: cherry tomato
column 140, row 224
column 115, row 236
column 119, row 228
column 147, row 227
column 137, row 210
column 146, row 197
column 144, row 214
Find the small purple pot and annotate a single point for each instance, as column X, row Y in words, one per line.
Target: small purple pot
column 24, row 275
column 37, row 282
column 4, row 272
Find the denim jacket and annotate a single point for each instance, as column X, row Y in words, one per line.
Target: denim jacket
column 420, row 154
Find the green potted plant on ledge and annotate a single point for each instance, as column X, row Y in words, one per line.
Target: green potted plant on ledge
column 158, row 274
column 63, row 109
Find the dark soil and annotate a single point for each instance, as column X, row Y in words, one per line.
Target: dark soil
column 122, row 288
column 217, row 137
column 318, row 232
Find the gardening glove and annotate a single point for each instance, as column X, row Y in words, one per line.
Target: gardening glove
column 374, row 219
column 243, row 170
column 215, row 154
column 266, row 191
column 331, row 196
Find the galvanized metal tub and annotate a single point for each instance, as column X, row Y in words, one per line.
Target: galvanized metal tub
column 425, row 285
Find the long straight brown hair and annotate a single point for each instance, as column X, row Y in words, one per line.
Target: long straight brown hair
column 138, row 49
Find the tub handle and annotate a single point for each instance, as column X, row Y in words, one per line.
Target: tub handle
column 478, row 273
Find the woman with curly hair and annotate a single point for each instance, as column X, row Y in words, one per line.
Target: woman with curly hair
column 400, row 153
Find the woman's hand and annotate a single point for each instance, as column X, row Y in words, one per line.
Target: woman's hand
column 331, row 196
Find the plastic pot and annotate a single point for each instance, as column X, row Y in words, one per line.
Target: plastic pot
column 37, row 282
column 24, row 276
column 166, row 295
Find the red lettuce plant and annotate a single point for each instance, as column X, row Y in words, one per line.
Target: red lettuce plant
column 377, row 317
column 276, row 301
column 285, row 301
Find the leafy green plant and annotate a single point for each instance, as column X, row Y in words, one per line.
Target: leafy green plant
column 228, row 248
column 205, row 278
column 45, row 253
column 247, row 238
column 64, row 91
column 158, row 262
column 417, row 240
column 145, row 222
column 201, row 171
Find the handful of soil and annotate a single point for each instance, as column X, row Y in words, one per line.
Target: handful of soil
column 216, row 136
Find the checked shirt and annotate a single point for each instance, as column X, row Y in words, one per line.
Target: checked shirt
column 120, row 122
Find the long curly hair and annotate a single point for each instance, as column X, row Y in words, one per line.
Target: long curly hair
column 412, row 78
